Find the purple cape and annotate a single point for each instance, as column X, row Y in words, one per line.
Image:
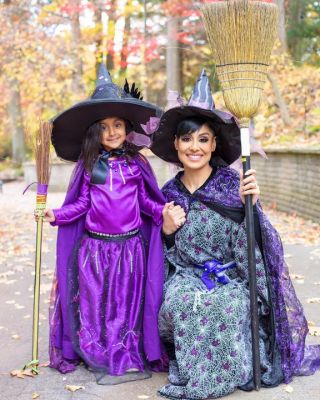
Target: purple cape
column 62, row 354
column 291, row 326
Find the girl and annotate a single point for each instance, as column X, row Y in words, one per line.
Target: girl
column 108, row 288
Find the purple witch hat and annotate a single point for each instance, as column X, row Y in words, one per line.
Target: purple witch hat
column 107, row 100
column 200, row 105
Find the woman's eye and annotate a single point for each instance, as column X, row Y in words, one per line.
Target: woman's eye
column 185, row 139
column 119, row 125
column 204, row 140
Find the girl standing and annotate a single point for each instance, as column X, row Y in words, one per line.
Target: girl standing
column 109, row 286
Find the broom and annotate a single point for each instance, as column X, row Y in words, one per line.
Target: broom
column 241, row 34
column 42, row 151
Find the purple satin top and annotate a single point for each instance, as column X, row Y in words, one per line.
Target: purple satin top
column 113, row 207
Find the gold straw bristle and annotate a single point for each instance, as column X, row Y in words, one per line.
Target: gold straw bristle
column 42, row 151
column 241, row 34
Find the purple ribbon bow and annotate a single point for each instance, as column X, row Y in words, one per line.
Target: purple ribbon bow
column 217, row 268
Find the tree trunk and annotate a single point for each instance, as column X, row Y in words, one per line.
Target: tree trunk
column 77, row 84
column 280, row 101
column 282, row 26
column 173, row 56
column 124, row 49
column 16, row 123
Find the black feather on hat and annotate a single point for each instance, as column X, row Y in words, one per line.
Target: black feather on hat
column 107, row 100
column 200, row 105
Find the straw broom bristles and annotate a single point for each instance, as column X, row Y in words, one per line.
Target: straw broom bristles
column 241, row 34
column 42, row 151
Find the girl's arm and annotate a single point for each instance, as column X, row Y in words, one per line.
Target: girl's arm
column 71, row 212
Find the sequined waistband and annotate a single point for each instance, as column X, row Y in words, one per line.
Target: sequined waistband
column 109, row 236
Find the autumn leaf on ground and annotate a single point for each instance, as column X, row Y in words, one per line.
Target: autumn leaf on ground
column 21, row 373
column 143, row 396
column 314, row 330
column 288, row 389
column 74, row 388
column 297, row 278
column 15, row 336
column 35, row 395
column 313, row 300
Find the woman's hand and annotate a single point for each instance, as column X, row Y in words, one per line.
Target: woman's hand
column 173, row 218
column 48, row 215
column 249, row 185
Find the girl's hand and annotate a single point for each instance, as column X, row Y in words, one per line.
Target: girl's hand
column 48, row 215
column 173, row 218
column 249, row 185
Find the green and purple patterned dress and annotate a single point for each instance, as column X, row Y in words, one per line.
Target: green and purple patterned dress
column 207, row 332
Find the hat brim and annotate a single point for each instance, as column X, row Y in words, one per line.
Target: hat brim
column 70, row 127
column 226, row 130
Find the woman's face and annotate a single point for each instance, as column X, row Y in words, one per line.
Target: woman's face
column 113, row 133
column 195, row 149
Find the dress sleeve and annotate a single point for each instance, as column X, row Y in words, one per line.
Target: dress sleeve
column 147, row 205
column 71, row 212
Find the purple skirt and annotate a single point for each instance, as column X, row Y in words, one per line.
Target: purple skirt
column 107, row 294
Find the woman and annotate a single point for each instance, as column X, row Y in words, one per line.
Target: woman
column 204, row 320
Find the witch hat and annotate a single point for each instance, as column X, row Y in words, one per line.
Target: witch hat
column 107, row 100
column 200, row 105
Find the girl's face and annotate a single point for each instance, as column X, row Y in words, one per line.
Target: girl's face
column 195, row 149
column 113, row 133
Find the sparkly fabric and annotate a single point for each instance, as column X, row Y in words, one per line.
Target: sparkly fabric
column 107, row 287
column 123, row 196
column 107, row 293
column 211, row 329
column 208, row 333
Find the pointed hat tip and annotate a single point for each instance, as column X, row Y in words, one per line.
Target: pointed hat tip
column 103, row 76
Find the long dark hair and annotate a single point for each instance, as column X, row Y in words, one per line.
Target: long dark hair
column 91, row 146
column 190, row 125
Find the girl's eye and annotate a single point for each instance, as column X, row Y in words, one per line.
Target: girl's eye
column 118, row 125
column 204, row 140
column 185, row 139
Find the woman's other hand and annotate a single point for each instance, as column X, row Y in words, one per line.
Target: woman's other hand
column 249, row 185
column 48, row 215
column 173, row 218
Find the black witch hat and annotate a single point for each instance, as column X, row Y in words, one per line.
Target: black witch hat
column 200, row 105
column 107, row 100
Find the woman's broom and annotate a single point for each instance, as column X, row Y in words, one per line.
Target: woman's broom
column 42, row 151
column 241, row 34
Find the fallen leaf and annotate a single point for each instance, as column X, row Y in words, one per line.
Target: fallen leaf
column 314, row 300
column 45, row 364
column 314, row 330
column 15, row 336
column 288, row 389
column 74, row 388
column 35, row 395
column 18, row 306
column 21, row 373
column 311, row 323
column 26, row 316
column 143, row 396
column 296, row 276
column 18, row 373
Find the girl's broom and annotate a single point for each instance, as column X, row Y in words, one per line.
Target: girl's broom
column 42, row 151
column 241, row 34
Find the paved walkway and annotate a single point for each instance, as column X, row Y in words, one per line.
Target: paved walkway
column 17, row 232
